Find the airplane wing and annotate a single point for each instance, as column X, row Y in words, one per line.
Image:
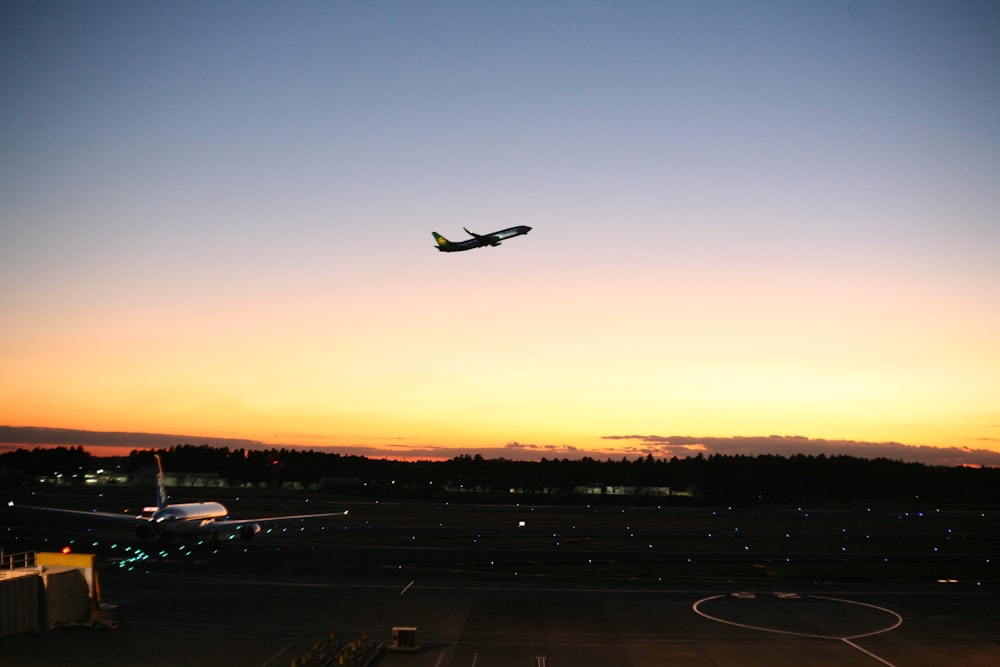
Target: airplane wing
column 106, row 516
column 225, row 523
column 478, row 236
column 132, row 518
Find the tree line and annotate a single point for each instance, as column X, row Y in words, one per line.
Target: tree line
column 715, row 479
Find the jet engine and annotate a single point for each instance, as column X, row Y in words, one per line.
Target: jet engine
column 248, row 531
column 147, row 532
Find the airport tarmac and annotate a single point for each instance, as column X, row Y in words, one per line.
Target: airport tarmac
column 189, row 619
column 540, row 587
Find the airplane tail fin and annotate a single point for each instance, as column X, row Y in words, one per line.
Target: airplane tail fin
column 161, row 487
column 442, row 242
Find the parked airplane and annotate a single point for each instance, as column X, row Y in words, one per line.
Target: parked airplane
column 205, row 519
column 478, row 240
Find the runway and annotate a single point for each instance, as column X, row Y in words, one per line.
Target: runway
column 170, row 619
column 534, row 587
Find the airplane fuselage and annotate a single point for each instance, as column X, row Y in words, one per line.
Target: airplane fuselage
column 479, row 240
column 191, row 512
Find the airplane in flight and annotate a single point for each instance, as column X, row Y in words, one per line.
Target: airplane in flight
column 165, row 521
column 479, row 240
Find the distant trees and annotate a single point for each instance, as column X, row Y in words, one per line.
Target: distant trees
column 66, row 461
column 716, row 479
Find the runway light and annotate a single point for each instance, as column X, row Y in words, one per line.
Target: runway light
column 66, row 550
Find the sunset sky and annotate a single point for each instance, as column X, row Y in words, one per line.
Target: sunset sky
column 749, row 219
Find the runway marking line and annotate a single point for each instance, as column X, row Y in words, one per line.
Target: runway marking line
column 275, row 656
column 866, row 652
column 899, row 619
column 846, row 640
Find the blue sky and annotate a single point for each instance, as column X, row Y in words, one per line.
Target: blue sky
column 749, row 219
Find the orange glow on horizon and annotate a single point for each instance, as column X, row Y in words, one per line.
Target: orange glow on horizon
column 733, row 235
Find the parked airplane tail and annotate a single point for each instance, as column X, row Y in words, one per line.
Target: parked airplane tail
column 161, row 487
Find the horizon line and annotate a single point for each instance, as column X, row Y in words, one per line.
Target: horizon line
column 110, row 443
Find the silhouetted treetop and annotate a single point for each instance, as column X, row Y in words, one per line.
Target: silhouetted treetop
column 724, row 479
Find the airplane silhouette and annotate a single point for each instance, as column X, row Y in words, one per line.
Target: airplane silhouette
column 479, row 240
column 166, row 521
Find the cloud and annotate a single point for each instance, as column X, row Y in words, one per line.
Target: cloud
column 30, row 436
column 682, row 446
column 790, row 445
column 552, row 449
column 117, row 443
